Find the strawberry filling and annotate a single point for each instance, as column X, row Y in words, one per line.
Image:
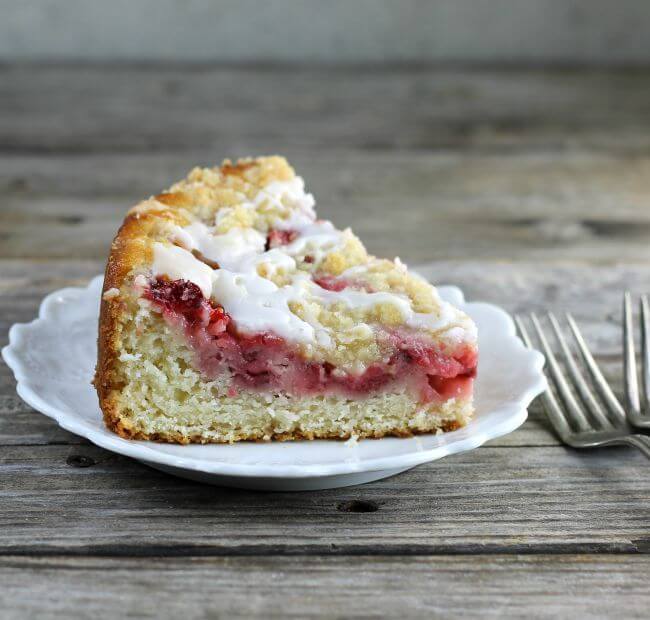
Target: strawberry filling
column 276, row 238
column 337, row 283
column 331, row 283
column 268, row 363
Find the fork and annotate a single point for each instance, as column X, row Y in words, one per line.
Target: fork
column 636, row 415
column 597, row 418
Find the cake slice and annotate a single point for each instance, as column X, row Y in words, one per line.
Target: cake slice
column 230, row 312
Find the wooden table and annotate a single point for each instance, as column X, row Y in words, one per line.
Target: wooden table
column 527, row 188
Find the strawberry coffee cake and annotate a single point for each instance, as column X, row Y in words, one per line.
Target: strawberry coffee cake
column 230, row 312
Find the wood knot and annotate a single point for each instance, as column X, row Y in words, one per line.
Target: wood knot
column 70, row 219
column 79, row 460
column 18, row 184
column 357, row 505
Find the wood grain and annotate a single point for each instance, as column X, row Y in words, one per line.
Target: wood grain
column 492, row 500
column 535, row 206
column 528, row 188
column 227, row 109
column 544, row 586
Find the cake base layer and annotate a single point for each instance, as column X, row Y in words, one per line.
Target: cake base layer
column 165, row 399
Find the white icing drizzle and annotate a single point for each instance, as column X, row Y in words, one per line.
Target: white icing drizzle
column 362, row 300
column 179, row 264
column 316, row 239
column 289, row 196
column 229, row 249
column 256, row 303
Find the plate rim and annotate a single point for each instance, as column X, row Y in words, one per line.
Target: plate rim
column 141, row 450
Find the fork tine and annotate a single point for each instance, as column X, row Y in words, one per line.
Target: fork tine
column 592, row 405
column 596, row 376
column 645, row 350
column 551, row 406
column 574, row 412
column 523, row 332
column 629, row 357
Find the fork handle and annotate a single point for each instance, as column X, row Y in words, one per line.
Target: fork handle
column 642, row 442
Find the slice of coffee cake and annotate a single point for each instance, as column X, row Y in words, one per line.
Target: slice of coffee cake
column 230, row 312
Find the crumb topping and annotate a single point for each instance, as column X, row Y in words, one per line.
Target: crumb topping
column 252, row 242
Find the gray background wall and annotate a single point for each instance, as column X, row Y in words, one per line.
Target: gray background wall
column 469, row 31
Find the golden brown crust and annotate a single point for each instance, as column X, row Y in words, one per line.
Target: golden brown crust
column 117, row 426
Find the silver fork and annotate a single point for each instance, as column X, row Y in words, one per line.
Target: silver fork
column 638, row 411
column 594, row 418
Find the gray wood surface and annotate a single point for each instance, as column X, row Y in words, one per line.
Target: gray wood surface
column 464, row 586
column 337, row 31
column 511, row 499
column 253, row 109
column 533, row 206
column 530, row 189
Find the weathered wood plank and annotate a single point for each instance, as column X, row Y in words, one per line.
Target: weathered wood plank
column 149, row 108
column 487, row 501
column 589, row 32
column 544, row 586
column 541, row 167
column 534, row 206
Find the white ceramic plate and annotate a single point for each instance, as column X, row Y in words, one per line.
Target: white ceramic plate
column 53, row 359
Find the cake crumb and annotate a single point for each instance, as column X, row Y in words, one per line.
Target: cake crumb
column 111, row 293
